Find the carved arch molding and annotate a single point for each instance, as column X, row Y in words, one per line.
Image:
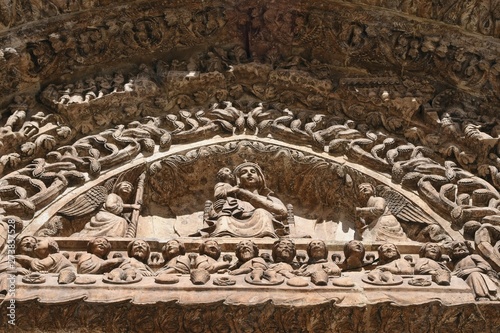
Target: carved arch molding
column 324, row 96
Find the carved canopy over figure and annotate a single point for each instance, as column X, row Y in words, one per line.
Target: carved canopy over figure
column 248, row 209
column 375, row 221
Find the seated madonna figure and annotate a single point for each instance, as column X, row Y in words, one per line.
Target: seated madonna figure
column 249, row 209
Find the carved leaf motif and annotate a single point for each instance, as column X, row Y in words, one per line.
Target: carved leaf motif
column 373, row 119
column 394, row 123
column 28, row 148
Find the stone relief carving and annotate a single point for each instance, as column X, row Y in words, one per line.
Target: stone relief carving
column 250, row 208
column 478, row 274
column 430, row 262
column 271, row 80
column 486, row 237
column 375, row 221
column 39, row 257
column 390, row 265
column 96, row 261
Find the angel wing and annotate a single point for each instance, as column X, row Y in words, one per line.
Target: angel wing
column 402, row 208
column 417, row 224
column 88, row 202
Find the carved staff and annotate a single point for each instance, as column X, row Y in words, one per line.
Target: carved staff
column 132, row 227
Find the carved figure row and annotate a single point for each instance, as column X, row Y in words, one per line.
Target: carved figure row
column 41, row 255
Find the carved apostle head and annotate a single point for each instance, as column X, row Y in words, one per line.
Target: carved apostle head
column 316, row 250
column 45, row 246
column 388, row 252
column 210, row 248
column 26, row 245
column 139, row 250
column 354, row 249
column 284, row 251
column 431, row 251
column 172, row 249
column 459, row 250
column 99, row 246
column 246, row 250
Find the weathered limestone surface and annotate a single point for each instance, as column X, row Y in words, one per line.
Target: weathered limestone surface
column 250, row 165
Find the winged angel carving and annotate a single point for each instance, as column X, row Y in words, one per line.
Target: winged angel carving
column 388, row 216
column 106, row 205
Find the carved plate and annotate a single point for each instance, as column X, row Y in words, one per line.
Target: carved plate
column 396, row 281
column 264, row 282
column 224, row 281
column 137, row 279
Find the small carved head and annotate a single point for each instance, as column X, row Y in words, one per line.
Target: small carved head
column 124, row 188
column 246, row 250
column 45, row 246
column 172, row 249
column 225, row 175
column 99, row 246
column 459, row 250
column 354, row 249
column 139, row 250
column 431, row 251
column 210, row 248
column 317, row 250
column 284, row 251
column 366, row 190
column 388, row 252
column 26, row 245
